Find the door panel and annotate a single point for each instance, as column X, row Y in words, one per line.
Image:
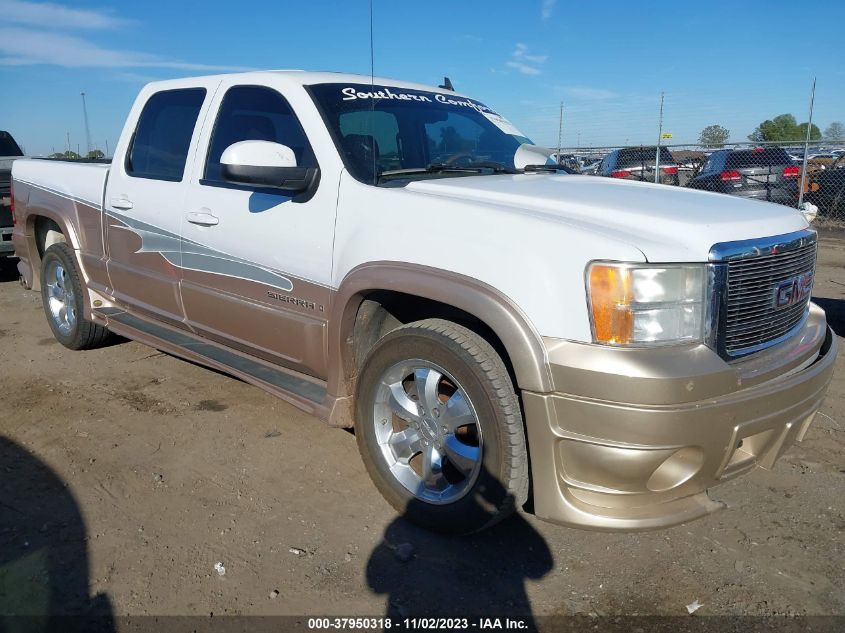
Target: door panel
column 144, row 201
column 257, row 278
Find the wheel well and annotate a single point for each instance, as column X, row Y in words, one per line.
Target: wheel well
column 384, row 310
column 47, row 233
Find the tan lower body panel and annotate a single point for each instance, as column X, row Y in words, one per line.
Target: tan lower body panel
column 307, row 393
column 607, row 465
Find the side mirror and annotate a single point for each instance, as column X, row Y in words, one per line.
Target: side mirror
column 266, row 164
column 527, row 154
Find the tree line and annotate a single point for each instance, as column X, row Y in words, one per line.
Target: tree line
column 782, row 128
column 71, row 155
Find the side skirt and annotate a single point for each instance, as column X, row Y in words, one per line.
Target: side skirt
column 302, row 391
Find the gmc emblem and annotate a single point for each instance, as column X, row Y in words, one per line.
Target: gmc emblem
column 792, row 291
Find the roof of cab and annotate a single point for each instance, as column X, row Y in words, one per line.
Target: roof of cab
column 307, row 78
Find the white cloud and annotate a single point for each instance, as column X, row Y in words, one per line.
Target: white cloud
column 29, row 47
column 548, row 8
column 525, row 63
column 589, row 93
column 521, row 53
column 48, row 14
column 525, row 69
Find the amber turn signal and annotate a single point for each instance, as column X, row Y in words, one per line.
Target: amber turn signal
column 610, row 299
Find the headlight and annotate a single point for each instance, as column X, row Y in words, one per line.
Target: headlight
column 640, row 304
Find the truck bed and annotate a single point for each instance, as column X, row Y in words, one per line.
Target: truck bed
column 78, row 181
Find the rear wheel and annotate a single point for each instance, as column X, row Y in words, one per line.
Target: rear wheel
column 62, row 296
column 439, row 427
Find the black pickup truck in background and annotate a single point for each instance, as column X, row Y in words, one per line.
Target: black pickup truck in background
column 9, row 151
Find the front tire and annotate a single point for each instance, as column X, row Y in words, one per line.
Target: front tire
column 62, row 296
column 439, row 427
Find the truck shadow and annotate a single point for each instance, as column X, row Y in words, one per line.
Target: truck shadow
column 44, row 572
column 8, row 269
column 426, row 574
column 835, row 311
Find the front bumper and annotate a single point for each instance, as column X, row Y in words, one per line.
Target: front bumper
column 631, row 438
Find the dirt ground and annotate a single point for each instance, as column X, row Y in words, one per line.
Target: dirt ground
column 137, row 473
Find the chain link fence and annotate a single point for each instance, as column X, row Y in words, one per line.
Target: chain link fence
column 783, row 173
column 760, row 140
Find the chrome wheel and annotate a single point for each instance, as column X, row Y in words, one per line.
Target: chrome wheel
column 428, row 431
column 61, row 300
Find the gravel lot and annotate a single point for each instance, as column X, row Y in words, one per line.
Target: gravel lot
column 126, row 475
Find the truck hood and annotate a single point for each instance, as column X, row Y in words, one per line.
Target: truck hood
column 667, row 224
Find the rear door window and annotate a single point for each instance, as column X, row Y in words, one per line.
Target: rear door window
column 160, row 145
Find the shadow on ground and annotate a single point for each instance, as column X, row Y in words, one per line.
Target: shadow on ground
column 425, row 574
column 8, row 269
column 43, row 551
column 835, row 311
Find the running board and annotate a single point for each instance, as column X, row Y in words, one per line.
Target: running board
column 219, row 356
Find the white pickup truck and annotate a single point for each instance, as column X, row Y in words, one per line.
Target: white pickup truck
column 385, row 256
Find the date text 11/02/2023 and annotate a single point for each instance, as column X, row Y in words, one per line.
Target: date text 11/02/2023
column 413, row 624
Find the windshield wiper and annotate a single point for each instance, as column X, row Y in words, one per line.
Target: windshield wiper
column 437, row 168
column 550, row 168
column 492, row 165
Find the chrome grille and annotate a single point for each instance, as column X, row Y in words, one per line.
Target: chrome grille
column 750, row 319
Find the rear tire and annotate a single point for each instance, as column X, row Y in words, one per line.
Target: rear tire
column 62, row 297
column 452, row 458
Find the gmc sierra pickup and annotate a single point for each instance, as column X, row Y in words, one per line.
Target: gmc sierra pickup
column 394, row 258
column 9, row 151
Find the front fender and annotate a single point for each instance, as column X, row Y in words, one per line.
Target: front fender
column 522, row 342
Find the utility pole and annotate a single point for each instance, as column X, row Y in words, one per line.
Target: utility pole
column 559, row 133
column 68, row 141
column 87, row 129
column 807, row 147
column 107, row 148
column 659, row 136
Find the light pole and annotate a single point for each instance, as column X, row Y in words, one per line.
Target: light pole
column 87, row 129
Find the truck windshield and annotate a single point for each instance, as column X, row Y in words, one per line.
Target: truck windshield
column 8, row 147
column 382, row 130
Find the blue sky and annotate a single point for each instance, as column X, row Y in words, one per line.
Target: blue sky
column 731, row 63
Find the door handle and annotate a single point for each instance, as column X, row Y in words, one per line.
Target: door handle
column 121, row 203
column 202, row 219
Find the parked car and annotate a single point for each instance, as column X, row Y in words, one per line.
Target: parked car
column 590, row 166
column 569, row 161
column 9, row 151
column 760, row 174
column 382, row 255
column 637, row 163
column 827, row 190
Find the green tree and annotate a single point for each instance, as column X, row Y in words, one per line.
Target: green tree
column 68, row 155
column 815, row 132
column 95, row 153
column 835, row 132
column 783, row 127
column 714, row 136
